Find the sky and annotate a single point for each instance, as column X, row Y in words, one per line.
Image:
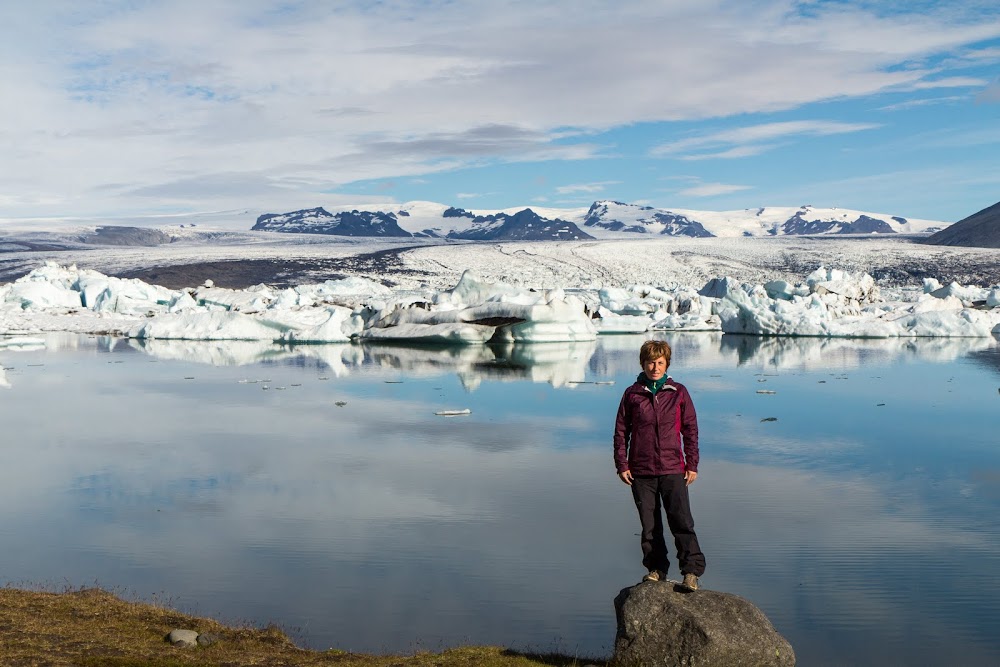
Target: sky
column 118, row 108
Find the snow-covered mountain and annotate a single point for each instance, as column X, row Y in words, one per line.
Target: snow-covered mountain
column 320, row 221
column 603, row 219
column 765, row 221
column 524, row 225
column 613, row 216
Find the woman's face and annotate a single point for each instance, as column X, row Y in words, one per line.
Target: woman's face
column 655, row 368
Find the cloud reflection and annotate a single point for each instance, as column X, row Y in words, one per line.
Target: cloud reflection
column 374, row 525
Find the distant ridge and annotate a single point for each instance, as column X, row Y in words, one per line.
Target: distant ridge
column 603, row 219
column 320, row 221
column 979, row 230
column 642, row 220
column 525, row 225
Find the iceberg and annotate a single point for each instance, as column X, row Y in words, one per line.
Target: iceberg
column 838, row 304
column 475, row 312
column 828, row 303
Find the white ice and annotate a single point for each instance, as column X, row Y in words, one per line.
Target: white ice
column 827, row 302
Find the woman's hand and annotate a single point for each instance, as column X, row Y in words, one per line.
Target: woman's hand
column 689, row 477
column 626, row 476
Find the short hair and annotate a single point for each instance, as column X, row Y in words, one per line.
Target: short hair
column 654, row 349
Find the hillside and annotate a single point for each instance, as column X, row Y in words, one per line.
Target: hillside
column 979, row 230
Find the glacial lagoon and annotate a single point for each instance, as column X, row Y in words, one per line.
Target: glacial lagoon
column 849, row 488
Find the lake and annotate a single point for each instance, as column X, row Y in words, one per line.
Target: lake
column 858, row 505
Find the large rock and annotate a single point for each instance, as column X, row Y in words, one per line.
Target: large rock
column 661, row 625
column 183, row 638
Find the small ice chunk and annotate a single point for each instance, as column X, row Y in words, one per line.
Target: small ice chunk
column 453, row 413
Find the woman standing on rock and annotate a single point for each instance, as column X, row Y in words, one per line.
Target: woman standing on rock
column 656, row 453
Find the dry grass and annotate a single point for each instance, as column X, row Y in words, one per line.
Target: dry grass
column 92, row 627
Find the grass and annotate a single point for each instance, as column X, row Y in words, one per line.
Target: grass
column 94, row 628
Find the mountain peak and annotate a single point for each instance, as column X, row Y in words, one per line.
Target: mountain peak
column 602, row 219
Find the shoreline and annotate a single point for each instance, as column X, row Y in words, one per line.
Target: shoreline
column 88, row 627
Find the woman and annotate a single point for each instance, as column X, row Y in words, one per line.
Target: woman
column 656, row 453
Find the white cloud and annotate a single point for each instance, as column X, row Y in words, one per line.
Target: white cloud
column 584, row 187
column 732, row 153
column 992, row 54
column 304, row 97
column 949, row 82
column 746, row 141
column 911, row 104
column 712, row 189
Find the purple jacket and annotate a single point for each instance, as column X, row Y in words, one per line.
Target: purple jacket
column 650, row 430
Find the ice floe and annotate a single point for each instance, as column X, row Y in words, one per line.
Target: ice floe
column 828, row 303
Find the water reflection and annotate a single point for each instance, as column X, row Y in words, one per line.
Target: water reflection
column 989, row 357
column 562, row 363
column 341, row 506
column 818, row 353
column 858, row 569
column 558, row 364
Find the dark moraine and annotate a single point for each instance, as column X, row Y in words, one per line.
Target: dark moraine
column 280, row 273
column 127, row 236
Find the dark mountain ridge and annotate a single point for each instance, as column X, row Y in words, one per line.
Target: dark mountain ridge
column 320, row 221
column 979, row 230
column 524, row 225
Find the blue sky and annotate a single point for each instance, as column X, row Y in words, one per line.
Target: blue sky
column 123, row 108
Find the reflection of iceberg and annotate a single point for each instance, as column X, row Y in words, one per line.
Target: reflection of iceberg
column 990, row 358
column 215, row 353
column 338, row 357
column 619, row 355
column 17, row 344
column 559, row 363
column 22, row 343
column 814, row 353
column 428, row 360
column 555, row 363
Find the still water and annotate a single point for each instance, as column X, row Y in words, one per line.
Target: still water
column 314, row 487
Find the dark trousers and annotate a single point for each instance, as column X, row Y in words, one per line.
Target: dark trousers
column 670, row 493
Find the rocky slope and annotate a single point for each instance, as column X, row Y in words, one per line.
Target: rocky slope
column 979, row 230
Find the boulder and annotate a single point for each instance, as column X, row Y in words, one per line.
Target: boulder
column 662, row 625
column 183, row 638
column 207, row 639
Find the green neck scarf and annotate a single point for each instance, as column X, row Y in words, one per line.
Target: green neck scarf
column 653, row 385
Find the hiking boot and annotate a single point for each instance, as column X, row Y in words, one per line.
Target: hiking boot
column 690, row 582
column 652, row 575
